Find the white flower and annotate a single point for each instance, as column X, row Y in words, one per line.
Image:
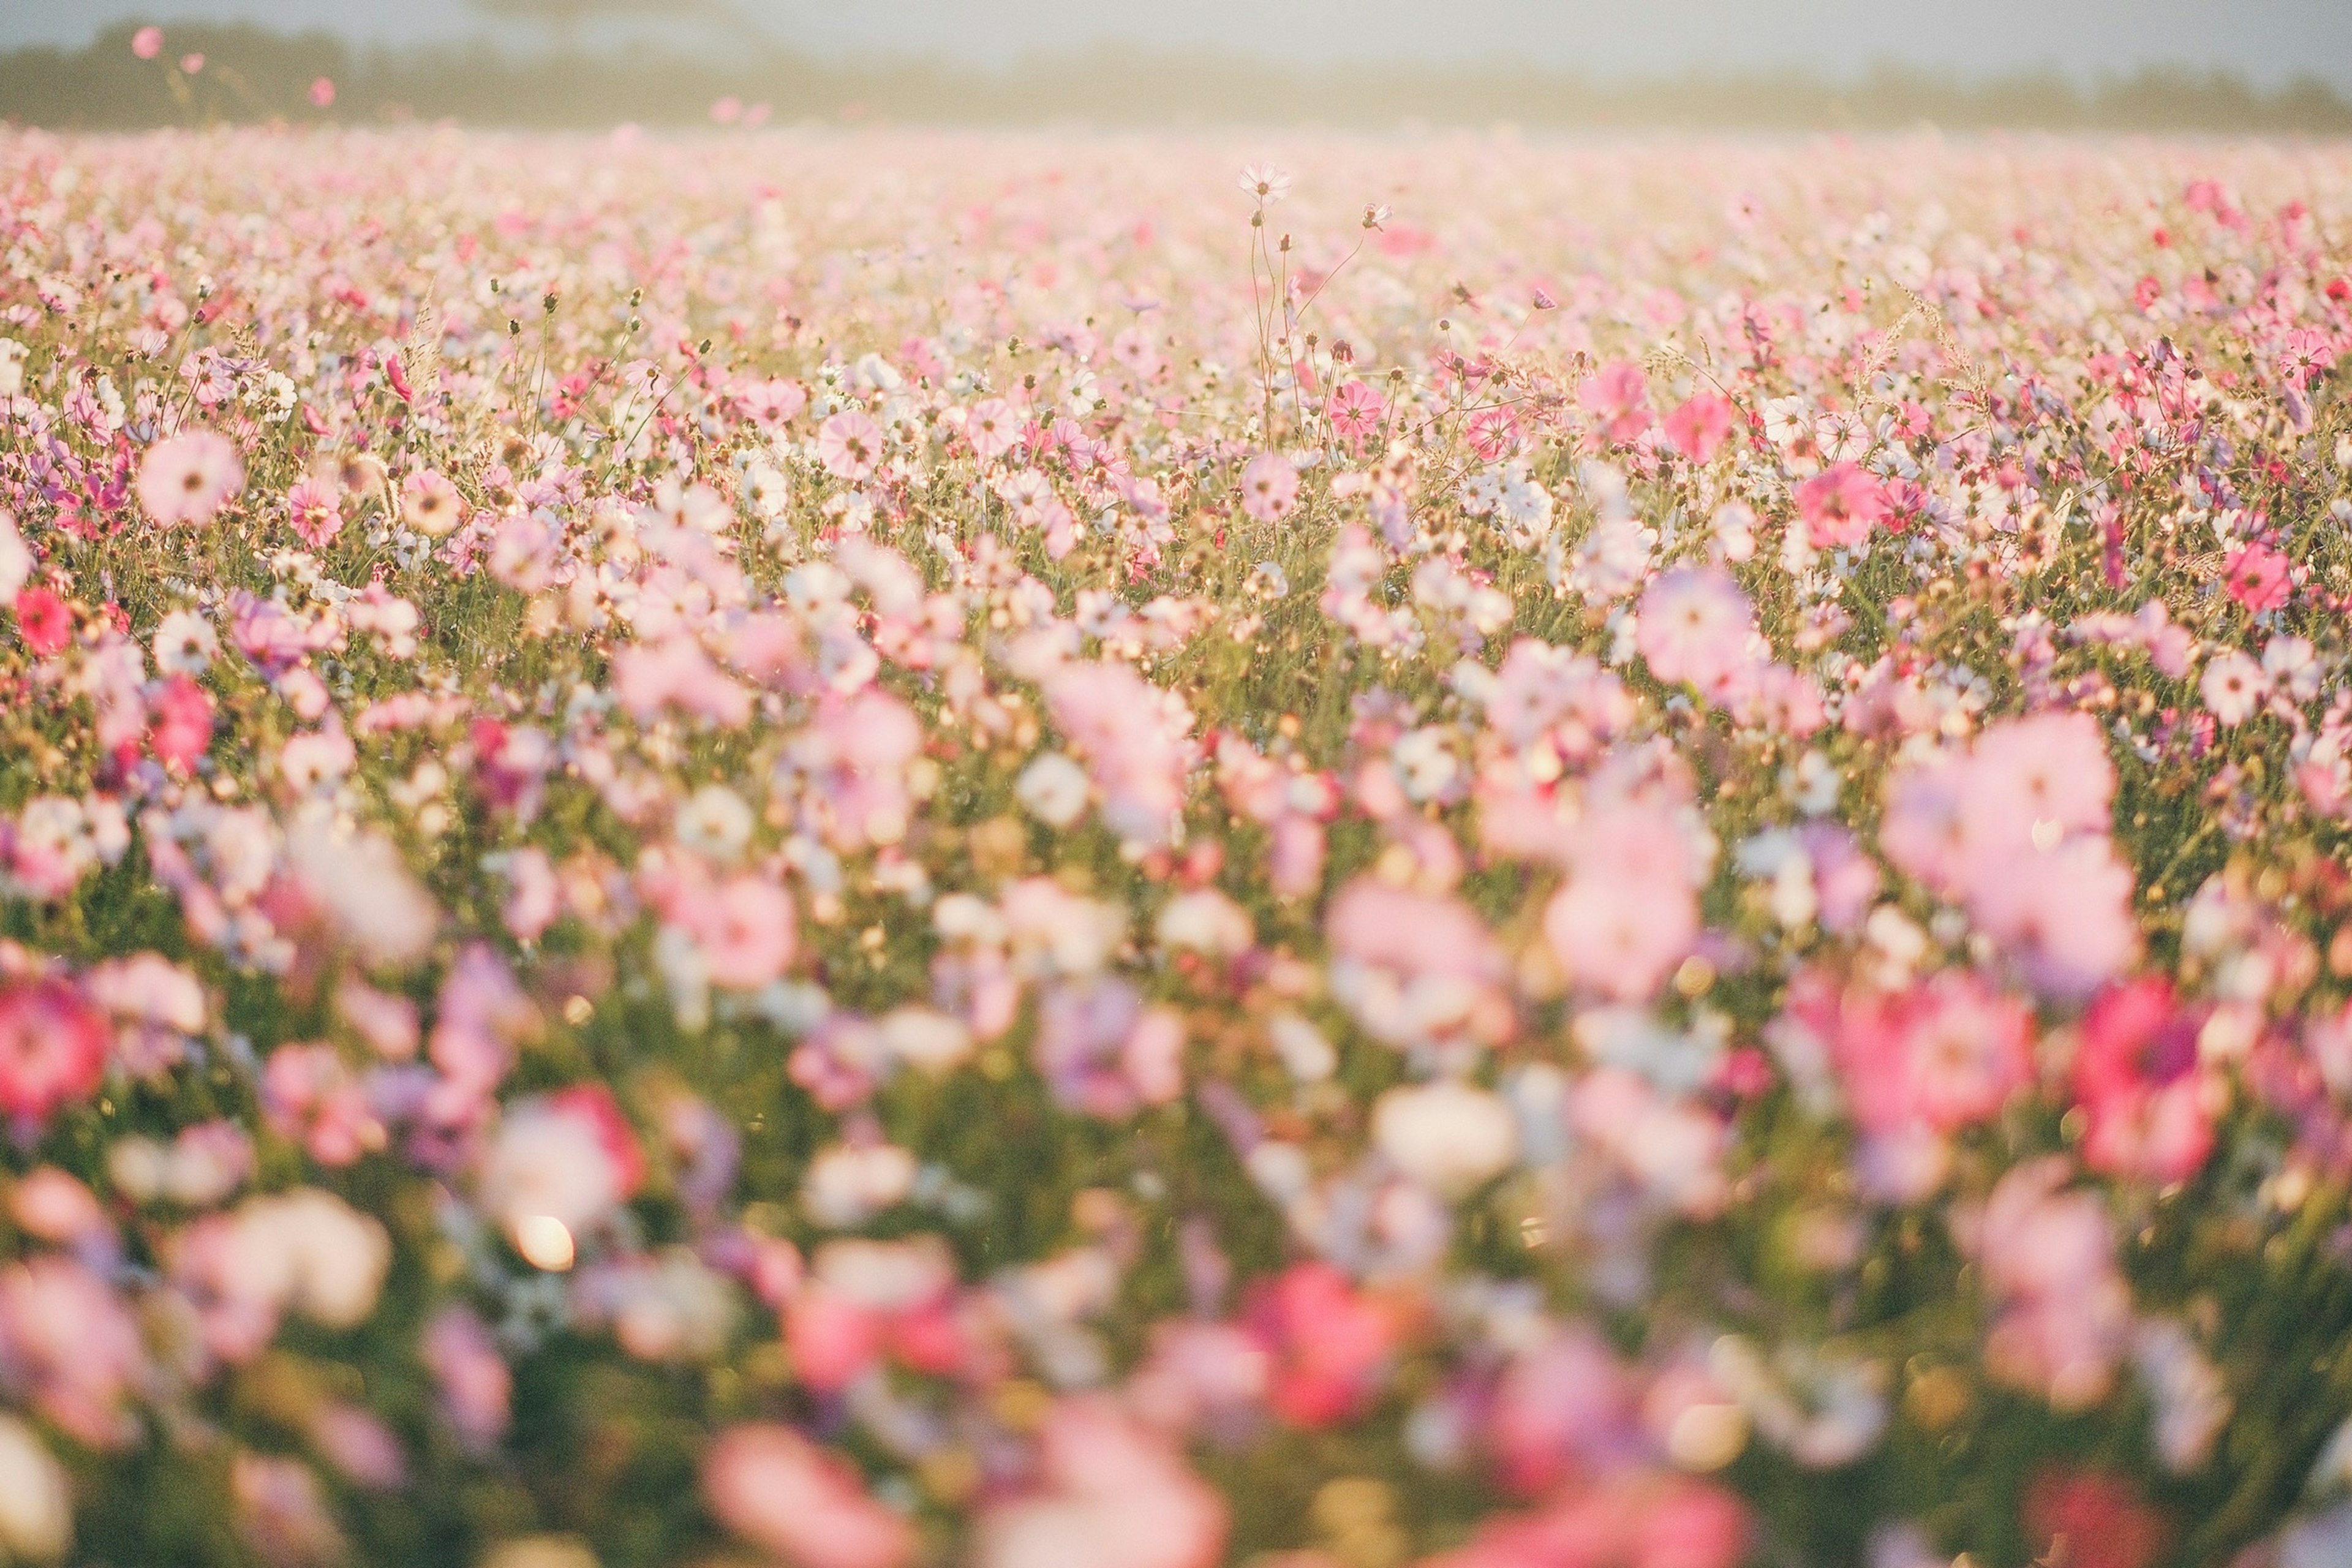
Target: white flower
column 1425, row 766
column 36, row 1506
column 1206, row 921
column 185, row 641
column 1306, row 1054
column 309, row 1250
column 715, row 823
column 1265, row 181
column 924, row 1037
column 547, row 1163
column 846, row 1185
column 363, row 884
column 2292, row 665
column 765, row 490
column 1450, row 1137
column 16, row 561
column 2233, row 686
column 1053, row 789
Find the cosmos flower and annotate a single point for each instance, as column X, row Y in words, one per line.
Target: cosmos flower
column 188, row 478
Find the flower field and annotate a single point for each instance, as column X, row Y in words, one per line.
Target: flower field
column 861, row 849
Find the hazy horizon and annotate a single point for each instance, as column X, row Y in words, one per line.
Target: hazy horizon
column 2268, row 42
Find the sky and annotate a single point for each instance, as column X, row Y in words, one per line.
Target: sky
column 2268, row 41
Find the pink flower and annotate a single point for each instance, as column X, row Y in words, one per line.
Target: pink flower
column 1946, row 1055
column 188, row 478
column 183, row 728
column 2017, row 829
column 778, row 1490
column 2257, row 578
column 849, row 444
column 1103, row 1053
column 70, row 1348
column 476, row 1388
column 1269, row 486
column 2062, row 1314
column 1109, row 1496
column 1694, row 625
column 746, row 931
column 2136, row 1076
column 315, row 511
column 1330, row 1344
column 774, row 401
column 1618, row 395
column 430, row 504
column 2094, row 1520
column 1414, row 967
column 1137, row 741
column 147, row 43
column 2306, row 353
column 1840, row 505
column 1493, row 434
column 1632, row 1520
column 310, row 1097
column 322, row 92
column 1700, row 426
column 52, row 1049
column 993, row 427
column 2065, row 914
column 1628, row 913
column 1561, row 1408
column 676, row 673
column 2038, row 774
column 43, row 621
column 1355, row 412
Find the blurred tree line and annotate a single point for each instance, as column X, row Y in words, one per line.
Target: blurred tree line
column 251, row 74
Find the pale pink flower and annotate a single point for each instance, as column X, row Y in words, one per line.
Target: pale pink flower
column 1628, row 913
column 283, row 1514
column 1618, row 396
column 2063, row 1312
column 1413, row 967
column 430, row 504
column 1108, row 1495
column 849, row 444
column 2233, row 686
column 1450, row 1137
column 777, row 1490
column 1841, row 505
column 1137, row 741
column 1355, row 412
column 566, row 1157
column 70, row 1348
column 746, row 930
column 476, row 1388
column 1103, row 1052
column 1694, row 626
column 1269, row 486
column 993, row 427
column 188, row 478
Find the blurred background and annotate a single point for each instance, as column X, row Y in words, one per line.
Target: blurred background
column 2266, row 66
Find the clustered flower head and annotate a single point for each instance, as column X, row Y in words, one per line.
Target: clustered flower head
column 820, row 849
